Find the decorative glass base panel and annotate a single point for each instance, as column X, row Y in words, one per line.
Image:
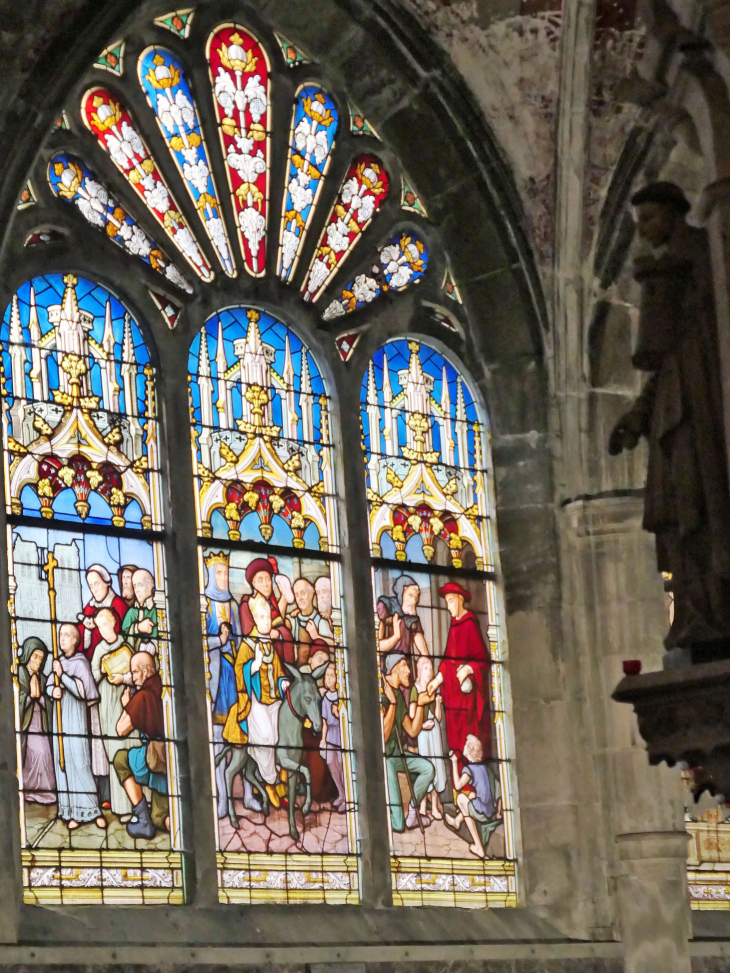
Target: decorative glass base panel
column 453, row 882
column 251, row 879
column 78, row 877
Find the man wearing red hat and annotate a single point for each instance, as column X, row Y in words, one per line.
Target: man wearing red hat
column 260, row 575
column 464, row 674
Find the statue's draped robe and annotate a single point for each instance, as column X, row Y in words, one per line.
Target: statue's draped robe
column 680, row 410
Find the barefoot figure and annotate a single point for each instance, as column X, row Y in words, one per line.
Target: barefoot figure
column 481, row 805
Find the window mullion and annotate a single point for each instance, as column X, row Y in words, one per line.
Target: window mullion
column 183, row 588
column 368, row 738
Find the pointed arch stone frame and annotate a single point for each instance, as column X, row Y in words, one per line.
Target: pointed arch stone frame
column 380, row 57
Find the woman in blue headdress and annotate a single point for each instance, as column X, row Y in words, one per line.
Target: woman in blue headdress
column 223, row 628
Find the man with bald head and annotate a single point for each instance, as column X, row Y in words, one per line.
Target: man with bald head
column 307, row 623
column 140, row 622
column 146, row 765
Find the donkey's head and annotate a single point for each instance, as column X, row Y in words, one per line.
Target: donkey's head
column 305, row 696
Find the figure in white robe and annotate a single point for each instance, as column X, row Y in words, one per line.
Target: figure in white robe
column 110, row 654
column 78, row 801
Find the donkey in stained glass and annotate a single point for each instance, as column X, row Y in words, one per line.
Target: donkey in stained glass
column 302, row 705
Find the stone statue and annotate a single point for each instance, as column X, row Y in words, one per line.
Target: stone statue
column 687, row 502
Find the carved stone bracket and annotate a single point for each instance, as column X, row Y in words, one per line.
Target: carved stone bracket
column 684, row 715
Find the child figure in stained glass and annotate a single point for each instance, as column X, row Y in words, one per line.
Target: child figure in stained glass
column 478, row 796
column 78, row 802
column 332, row 735
column 103, row 595
column 430, row 741
column 39, row 784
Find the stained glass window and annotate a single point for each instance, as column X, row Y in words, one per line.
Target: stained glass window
column 400, row 263
column 162, row 76
column 272, row 614
column 442, row 697
column 239, row 75
column 71, row 179
column 95, row 729
column 364, row 188
column 107, row 118
column 313, row 130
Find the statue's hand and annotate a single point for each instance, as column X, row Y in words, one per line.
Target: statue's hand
column 625, row 435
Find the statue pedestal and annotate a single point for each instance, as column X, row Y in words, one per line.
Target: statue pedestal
column 684, row 715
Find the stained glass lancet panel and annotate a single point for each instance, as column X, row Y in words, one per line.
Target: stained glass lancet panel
column 312, row 138
column 107, row 118
column 399, row 264
column 71, row 179
column 364, row 188
column 95, row 731
column 239, row 75
column 443, row 706
column 164, row 82
column 272, row 615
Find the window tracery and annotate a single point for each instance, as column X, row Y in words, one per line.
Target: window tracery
column 272, row 615
column 87, row 600
column 263, row 452
column 442, row 696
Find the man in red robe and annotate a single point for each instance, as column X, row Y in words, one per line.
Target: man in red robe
column 464, row 674
column 260, row 575
column 102, row 596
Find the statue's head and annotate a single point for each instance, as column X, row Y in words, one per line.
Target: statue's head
column 660, row 206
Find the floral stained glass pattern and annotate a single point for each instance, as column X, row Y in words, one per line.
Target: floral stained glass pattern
column 314, row 126
column 111, row 123
column 263, row 457
column 239, row 75
column 401, row 263
column 163, row 79
column 364, row 189
column 272, row 617
column 441, row 673
column 72, row 180
column 88, row 610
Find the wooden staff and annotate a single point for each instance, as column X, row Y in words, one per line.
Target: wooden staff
column 50, row 568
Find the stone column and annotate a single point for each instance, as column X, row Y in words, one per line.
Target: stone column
column 620, row 613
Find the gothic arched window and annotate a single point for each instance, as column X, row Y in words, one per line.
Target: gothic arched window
column 91, row 661
column 272, row 613
column 442, row 698
column 226, row 187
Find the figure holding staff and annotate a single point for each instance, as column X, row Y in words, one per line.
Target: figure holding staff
column 73, row 691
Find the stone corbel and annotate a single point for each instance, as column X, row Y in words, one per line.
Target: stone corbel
column 684, row 716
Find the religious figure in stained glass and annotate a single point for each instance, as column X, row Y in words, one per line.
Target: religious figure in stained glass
column 440, row 671
column 275, row 659
column 97, row 762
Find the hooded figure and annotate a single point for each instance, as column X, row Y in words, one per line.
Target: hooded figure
column 400, row 629
column 39, row 782
column 680, row 411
